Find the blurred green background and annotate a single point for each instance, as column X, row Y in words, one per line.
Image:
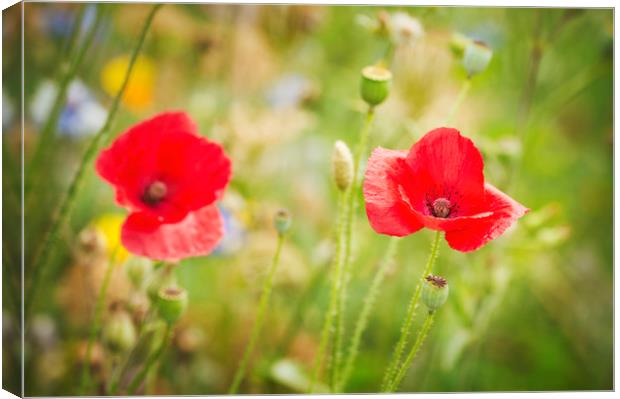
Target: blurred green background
column 277, row 85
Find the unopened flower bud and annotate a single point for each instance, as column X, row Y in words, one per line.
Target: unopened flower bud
column 282, row 221
column 119, row 333
column 138, row 270
column 375, row 84
column 342, row 165
column 171, row 303
column 477, row 57
column 434, row 292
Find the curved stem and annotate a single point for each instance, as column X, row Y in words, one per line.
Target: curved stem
column 67, row 203
column 150, row 362
column 95, row 327
column 260, row 318
column 336, row 270
column 362, row 320
column 428, row 322
column 459, row 100
column 392, row 369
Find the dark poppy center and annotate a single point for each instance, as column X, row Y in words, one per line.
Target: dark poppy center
column 155, row 192
column 441, row 208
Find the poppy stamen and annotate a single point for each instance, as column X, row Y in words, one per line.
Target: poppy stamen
column 441, row 208
column 155, row 192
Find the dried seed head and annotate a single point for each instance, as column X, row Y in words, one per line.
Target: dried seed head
column 342, row 165
column 434, row 292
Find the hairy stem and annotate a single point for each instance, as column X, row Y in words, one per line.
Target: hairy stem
column 336, row 270
column 392, row 369
column 369, row 302
column 414, row 350
column 260, row 318
column 61, row 218
column 351, row 206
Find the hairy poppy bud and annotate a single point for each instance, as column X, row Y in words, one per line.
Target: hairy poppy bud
column 171, row 303
column 138, row 270
column 282, row 221
column 342, row 165
column 375, row 85
column 476, row 57
column 434, row 292
column 119, row 333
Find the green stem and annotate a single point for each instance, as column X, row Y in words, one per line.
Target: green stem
column 459, row 100
column 414, row 350
column 94, row 329
column 260, row 318
column 67, row 203
column 369, row 302
column 351, row 206
column 150, row 362
column 336, row 270
column 392, row 369
column 47, row 133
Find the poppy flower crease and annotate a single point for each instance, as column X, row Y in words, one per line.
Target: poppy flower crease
column 169, row 178
column 438, row 184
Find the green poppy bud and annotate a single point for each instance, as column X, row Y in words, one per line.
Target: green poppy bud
column 138, row 270
column 282, row 221
column 375, row 85
column 434, row 292
column 342, row 165
column 476, row 57
column 171, row 303
column 119, row 333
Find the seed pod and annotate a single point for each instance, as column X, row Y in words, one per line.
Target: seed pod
column 342, row 165
column 171, row 303
column 375, row 84
column 119, row 333
column 477, row 57
column 434, row 292
column 282, row 221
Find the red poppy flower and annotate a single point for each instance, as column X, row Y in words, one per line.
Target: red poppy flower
column 437, row 184
column 169, row 178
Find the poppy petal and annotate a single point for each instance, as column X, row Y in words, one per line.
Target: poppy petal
column 196, row 235
column 505, row 212
column 445, row 164
column 165, row 148
column 387, row 212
